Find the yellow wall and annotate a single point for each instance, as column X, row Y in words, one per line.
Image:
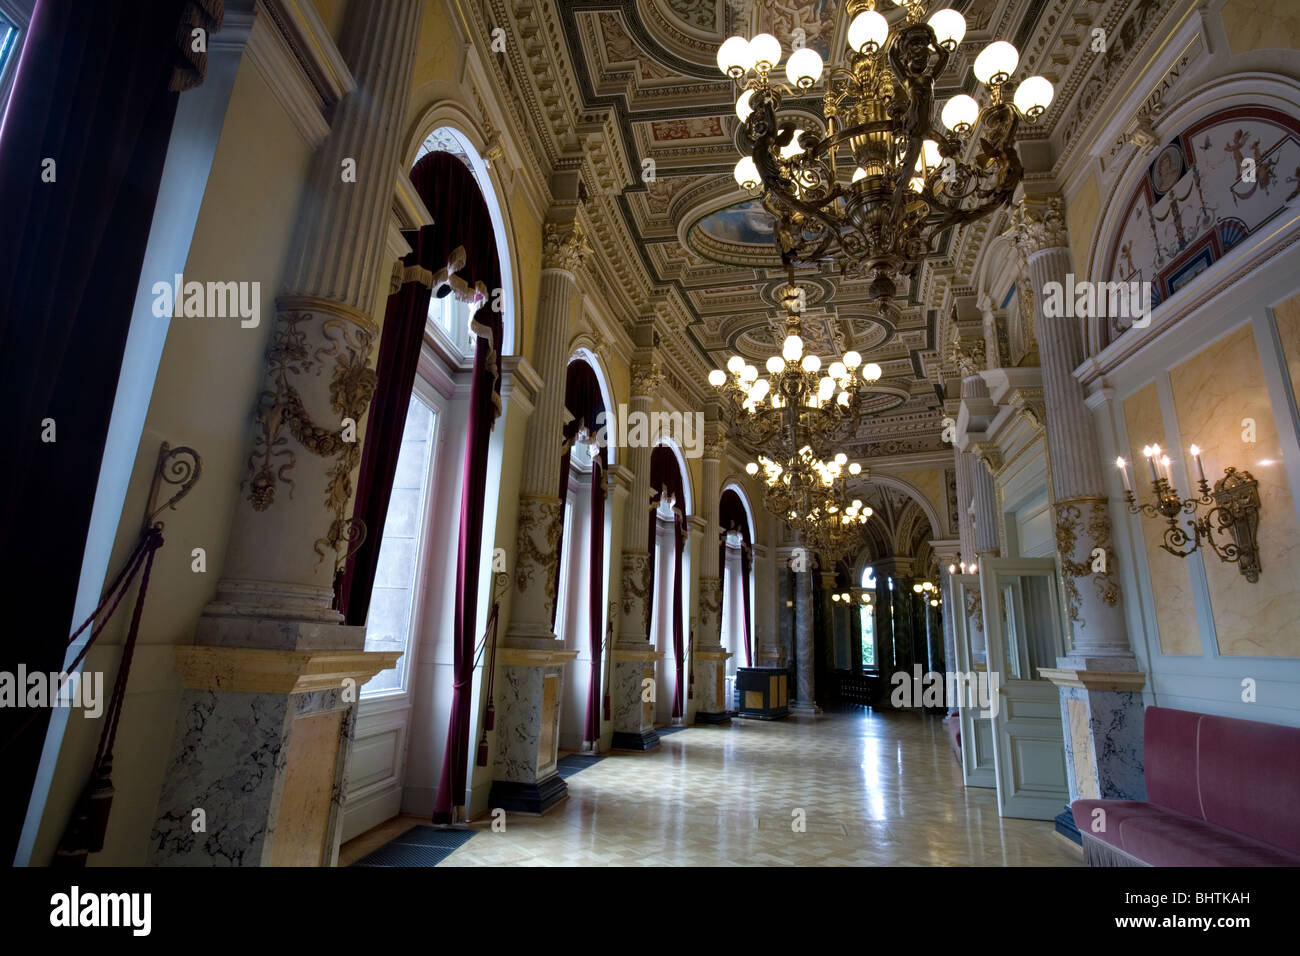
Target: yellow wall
column 1214, row 391
column 1171, row 583
column 1081, row 215
column 331, row 12
column 1261, row 24
column 205, row 392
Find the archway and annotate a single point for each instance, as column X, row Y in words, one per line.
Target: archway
column 582, row 562
column 736, row 570
column 669, row 563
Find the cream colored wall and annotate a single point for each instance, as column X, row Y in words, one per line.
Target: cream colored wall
column 1214, row 392
column 206, row 390
column 1261, row 25
column 1082, row 213
column 1171, row 583
column 331, row 13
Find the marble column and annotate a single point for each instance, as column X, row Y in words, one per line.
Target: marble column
column 1100, row 681
column 710, row 658
column 270, row 685
column 531, row 662
column 947, row 554
column 634, row 656
column 805, row 702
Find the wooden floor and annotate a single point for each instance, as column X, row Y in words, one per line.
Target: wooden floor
column 868, row 788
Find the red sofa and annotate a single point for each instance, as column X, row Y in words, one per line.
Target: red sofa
column 1220, row 792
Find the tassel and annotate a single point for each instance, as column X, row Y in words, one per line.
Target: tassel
column 607, row 714
column 89, row 824
column 482, row 752
column 490, row 718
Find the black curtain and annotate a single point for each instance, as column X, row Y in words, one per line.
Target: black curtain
column 96, row 93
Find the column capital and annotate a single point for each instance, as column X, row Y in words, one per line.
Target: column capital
column 1038, row 224
column 646, row 379
column 564, row 246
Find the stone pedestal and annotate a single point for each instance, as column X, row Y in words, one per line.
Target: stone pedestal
column 528, row 695
column 634, row 706
column 1101, row 712
column 260, row 756
column 711, row 687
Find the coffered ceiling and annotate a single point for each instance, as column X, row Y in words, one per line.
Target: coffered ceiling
column 644, row 72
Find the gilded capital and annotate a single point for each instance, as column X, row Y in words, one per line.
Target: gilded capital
column 1038, row 224
column 646, row 378
column 564, row 246
column 969, row 361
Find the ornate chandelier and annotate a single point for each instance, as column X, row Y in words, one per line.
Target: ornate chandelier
column 883, row 181
column 799, row 406
column 812, row 496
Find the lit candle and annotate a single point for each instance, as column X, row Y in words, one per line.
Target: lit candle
column 1150, row 452
column 1123, row 473
column 1169, row 475
column 1196, row 457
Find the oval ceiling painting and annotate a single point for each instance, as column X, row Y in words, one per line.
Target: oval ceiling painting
column 740, row 235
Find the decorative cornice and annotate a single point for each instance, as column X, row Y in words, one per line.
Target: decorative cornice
column 533, row 657
column 1121, row 681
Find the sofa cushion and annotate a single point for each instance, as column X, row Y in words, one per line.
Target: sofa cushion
column 1249, row 779
column 1169, row 758
column 1164, row 837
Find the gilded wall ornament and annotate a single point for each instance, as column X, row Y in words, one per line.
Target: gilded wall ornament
column 536, row 541
column 636, row 581
column 1070, row 523
column 968, row 361
column 281, row 411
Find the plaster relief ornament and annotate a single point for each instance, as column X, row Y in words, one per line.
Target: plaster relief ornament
column 564, row 246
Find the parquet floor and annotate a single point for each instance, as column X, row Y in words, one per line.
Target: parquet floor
column 874, row 789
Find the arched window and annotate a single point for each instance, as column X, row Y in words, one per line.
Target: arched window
column 736, row 568
column 667, row 546
column 867, row 614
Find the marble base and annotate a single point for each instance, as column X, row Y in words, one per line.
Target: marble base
column 641, row 740
column 1101, row 713
column 804, row 710
column 260, row 757
column 706, row 717
column 535, row 798
column 527, row 699
column 633, row 666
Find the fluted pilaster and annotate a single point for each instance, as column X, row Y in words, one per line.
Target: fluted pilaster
column 1079, row 490
column 339, row 248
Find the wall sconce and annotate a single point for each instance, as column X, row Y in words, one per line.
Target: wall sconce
column 1232, row 510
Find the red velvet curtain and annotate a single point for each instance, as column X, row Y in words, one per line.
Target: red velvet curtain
column 733, row 516
column 665, row 475
column 583, row 400
column 596, row 596
column 460, row 219
column 92, row 93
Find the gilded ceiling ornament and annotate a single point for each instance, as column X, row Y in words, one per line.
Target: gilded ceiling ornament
column 564, row 246
column 715, row 447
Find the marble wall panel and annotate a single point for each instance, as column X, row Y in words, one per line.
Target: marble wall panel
column 1214, row 392
column 1171, row 582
